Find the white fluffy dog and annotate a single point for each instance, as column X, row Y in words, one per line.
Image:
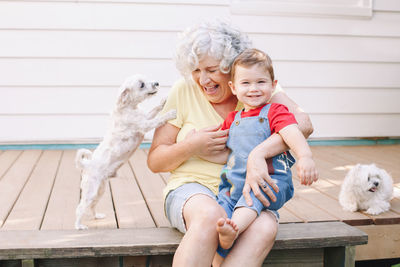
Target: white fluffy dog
column 366, row 187
column 128, row 126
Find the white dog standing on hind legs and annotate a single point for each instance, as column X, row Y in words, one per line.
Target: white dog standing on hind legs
column 366, row 187
column 128, row 127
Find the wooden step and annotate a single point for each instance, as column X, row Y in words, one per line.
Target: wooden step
column 157, row 241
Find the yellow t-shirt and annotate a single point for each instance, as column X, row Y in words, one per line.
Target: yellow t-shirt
column 193, row 112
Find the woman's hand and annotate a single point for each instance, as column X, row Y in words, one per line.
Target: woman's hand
column 257, row 177
column 207, row 142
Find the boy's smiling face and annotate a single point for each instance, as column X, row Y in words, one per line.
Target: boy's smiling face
column 252, row 85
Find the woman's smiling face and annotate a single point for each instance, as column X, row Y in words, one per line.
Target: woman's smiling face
column 212, row 81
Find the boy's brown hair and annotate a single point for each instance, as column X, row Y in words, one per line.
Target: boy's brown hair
column 251, row 57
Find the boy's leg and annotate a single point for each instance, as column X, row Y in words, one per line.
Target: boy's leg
column 253, row 245
column 230, row 229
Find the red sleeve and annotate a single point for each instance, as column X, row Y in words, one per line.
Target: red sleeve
column 228, row 121
column 279, row 117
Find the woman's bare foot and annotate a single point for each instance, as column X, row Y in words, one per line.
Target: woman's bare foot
column 228, row 232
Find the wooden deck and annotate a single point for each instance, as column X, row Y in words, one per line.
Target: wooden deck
column 39, row 190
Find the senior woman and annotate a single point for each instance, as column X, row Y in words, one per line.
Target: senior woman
column 187, row 147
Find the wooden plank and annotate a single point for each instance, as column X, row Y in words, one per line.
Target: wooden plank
column 151, row 185
column 130, row 208
column 383, row 242
column 14, row 180
column 60, row 213
column 328, row 204
column 386, row 157
column 89, row 243
column 157, row 241
column 307, row 210
column 7, row 158
column 29, row 209
column 106, row 207
column 287, row 217
column 316, row 235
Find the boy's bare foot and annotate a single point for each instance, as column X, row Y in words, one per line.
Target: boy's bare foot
column 228, row 232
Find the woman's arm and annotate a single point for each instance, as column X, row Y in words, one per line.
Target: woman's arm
column 257, row 169
column 302, row 118
column 166, row 155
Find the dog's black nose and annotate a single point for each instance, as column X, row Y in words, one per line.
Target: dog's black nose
column 376, row 183
column 156, row 84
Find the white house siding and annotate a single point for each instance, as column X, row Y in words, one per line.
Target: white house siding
column 62, row 61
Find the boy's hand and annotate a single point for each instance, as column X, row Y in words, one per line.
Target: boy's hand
column 306, row 170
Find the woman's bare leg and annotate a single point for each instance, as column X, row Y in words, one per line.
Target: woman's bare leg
column 254, row 244
column 200, row 242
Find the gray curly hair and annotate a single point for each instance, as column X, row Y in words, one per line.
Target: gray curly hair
column 213, row 38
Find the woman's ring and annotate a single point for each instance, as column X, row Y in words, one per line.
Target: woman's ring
column 264, row 184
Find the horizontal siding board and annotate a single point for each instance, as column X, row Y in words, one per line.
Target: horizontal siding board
column 328, row 48
column 108, row 72
column 83, row 72
column 386, row 5
column 140, row 16
column 167, row 2
column 338, row 74
column 65, row 100
column 139, row 44
column 346, row 100
column 96, row 16
column 87, row 44
column 61, row 127
column 100, row 100
column 381, row 24
column 354, row 125
column 91, row 128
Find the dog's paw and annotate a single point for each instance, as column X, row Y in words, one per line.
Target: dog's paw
column 374, row 210
column 163, row 101
column 81, row 227
column 99, row 216
column 349, row 207
column 170, row 115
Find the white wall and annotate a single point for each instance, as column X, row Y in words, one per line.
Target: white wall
column 61, row 62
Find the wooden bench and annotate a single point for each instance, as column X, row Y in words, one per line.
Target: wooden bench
column 297, row 244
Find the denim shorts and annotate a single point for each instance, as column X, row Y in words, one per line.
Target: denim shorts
column 176, row 200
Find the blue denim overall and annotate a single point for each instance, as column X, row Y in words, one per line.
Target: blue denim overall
column 244, row 135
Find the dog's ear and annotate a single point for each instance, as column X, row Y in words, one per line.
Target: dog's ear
column 123, row 97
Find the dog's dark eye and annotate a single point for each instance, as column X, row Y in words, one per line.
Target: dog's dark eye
column 141, row 85
column 369, row 178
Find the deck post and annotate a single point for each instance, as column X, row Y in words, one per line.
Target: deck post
column 340, row 256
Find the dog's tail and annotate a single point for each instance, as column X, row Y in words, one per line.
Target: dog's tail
column 83, row 156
